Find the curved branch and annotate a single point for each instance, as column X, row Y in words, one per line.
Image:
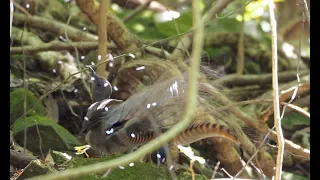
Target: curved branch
column 167, row 136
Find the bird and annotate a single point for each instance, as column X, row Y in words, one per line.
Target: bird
column 114, row 126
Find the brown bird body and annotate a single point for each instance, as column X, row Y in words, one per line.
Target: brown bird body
column 114, row 126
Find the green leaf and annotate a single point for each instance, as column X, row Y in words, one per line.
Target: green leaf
column 52, row 135
column 225, row 25
column 295, row 118
column 16, row 104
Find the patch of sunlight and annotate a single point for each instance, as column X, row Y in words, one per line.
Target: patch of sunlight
column 138, row 27
column 116, row 8
column 166, row 16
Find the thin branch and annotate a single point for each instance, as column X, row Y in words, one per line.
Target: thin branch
column 251, row 158
column 305, row 10
column 291, row 147
column 302, row 88
column 276, row 104
column 53, row 26
column 262, row 101
column 244, row 80
column 59, row 46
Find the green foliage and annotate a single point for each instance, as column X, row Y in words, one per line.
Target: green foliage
column 17, row 101
column 291, row 176
column 142, row 171
column 224, row 25
column 44, row 131
column 295, row 118
column 183, row 23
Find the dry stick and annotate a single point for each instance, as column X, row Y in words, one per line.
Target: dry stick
column 250, row 159
column 54, row 26
column 168, row 135
column 261, row 101
column 58, row 46
column 292, row 147
column 276, row 104
column 19, row 160
column 305, row 10
column 136, row 11
column 79, row 64
column 254, row 79
column 25, row 86
column 102, row 33
column 302, row 89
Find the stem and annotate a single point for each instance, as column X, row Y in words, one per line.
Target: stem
column 275, row 89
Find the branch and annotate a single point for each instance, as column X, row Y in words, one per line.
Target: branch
column 303, row 88
column 245, row 80
column 167, row 136
column 58, row 46
column 53, row 26
column 19, row 160
column 293, row 148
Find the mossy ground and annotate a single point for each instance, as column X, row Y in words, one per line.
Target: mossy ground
column 140, row 170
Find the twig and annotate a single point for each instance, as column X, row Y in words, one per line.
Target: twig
column 276, row 104
column 79, row 64
column 167, row 136
column 136, row 11
column 250, row 159
column 261, row 101
column 216, row 167
column 22, row 9
column 59, row 46
column 40, row 139
column 305, row 10
column 25, row 86
column 286, row 95
column 244, row 80
column 191, row 169
column 53, row 26
column 68, row 104
column 102, row 33
column 292, row 147
column 157, row 52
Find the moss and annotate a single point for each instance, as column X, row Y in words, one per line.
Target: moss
column 141, row 171
column 53, row 136
column 16, row 104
